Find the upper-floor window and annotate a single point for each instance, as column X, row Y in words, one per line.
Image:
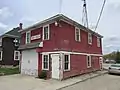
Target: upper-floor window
column 0, row 41
column 28, row 35
column 46, row 32
column 88, row 61
column 16, row 55
column 98, row 41
column 89, row 38
column 0, row 55
column 77, row 34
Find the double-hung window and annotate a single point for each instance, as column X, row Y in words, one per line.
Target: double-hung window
column 28, row 35
column 88, row 61
column 46, row 32
column 77, row 34
column 16, row 55
column 89, row 38
column 66, row 62
column 98, row 41
column 0, row 55
column 45, row 62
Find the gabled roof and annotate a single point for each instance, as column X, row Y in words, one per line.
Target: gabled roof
column 12, row 33
column 59, row 17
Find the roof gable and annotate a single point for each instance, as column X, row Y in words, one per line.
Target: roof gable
column 57, row 18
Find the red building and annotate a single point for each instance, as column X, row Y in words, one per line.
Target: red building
column 61, row 46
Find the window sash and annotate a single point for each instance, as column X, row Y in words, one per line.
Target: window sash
column 0, row 55
column 77, row 34
column 98, row 41
column 28, row 37
column 16, row 55
column 46, row 32
column 66, row 62
column 88, row 61
column 89, row 38
column 45, row 62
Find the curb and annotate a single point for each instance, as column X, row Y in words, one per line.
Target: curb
column 83, row 80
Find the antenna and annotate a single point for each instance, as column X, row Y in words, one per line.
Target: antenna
column 84, row 15
column 60, row 6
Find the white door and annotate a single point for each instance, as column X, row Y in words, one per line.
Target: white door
column 55, row 66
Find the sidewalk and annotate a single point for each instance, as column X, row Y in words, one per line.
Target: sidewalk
column 58, row 85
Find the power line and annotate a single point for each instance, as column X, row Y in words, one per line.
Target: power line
column 100, row 15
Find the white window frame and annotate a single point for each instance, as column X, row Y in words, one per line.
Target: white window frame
column 68, row 61
column 15, row 55
column 76, row 28
column 29, row 37
column 89, row 37
column 48, row 32
column 88, row 66
column 1, row 55
column 43, row 62
column 98, row 42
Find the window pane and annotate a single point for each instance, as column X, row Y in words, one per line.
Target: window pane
column 46, row 32
column 66, row 62
column 45, row 62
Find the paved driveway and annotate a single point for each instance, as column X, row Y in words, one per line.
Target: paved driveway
column 106, row 82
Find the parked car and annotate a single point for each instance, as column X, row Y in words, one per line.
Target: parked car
column 114, row 69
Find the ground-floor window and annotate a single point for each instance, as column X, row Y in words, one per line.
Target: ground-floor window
column 88, row 61
column 66, row 62
column 16, row 55
column 0, row 55
column 45, row 62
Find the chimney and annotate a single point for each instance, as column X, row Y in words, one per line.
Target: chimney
column 20, row 26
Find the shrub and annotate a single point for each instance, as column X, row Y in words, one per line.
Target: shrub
column 43, row 74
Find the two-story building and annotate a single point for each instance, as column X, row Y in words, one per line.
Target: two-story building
column 61, row 46
column 9, row 43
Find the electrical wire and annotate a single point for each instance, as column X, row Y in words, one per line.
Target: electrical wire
column 100, row 15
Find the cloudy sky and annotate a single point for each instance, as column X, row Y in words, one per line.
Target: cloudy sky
column 12, row 12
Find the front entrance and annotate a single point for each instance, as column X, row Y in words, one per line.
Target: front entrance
column 55, row 66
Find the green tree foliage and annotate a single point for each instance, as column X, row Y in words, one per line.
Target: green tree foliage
column 113, row 56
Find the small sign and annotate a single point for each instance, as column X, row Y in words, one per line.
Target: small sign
column 36, row 37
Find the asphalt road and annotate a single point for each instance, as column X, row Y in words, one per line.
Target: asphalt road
column 105, row 82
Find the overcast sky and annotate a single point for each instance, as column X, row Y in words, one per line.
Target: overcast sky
column 12, row 12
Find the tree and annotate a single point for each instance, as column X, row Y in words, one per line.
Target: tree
column 117, row 57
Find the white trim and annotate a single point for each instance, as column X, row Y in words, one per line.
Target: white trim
column 48, row 32
column 89, row 34
column 1, row 55
column 76, row 28
column 18, row 55
column 29, row 37
column 64, row 62
column 89, row 61
column 43, row 61
column 66, row 52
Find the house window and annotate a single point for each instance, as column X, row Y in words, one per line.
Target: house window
column 66, row 62
column 46, row 32
column 0, row 55
column 98, row 41
column 88, row 61
column 77, row 34
column 28, row 37
column 89, row 38
column 16, row 55
column 45, row 62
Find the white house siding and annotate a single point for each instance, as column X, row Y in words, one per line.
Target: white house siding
column 29, row 62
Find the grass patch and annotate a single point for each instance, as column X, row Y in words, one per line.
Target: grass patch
column 9, row 71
